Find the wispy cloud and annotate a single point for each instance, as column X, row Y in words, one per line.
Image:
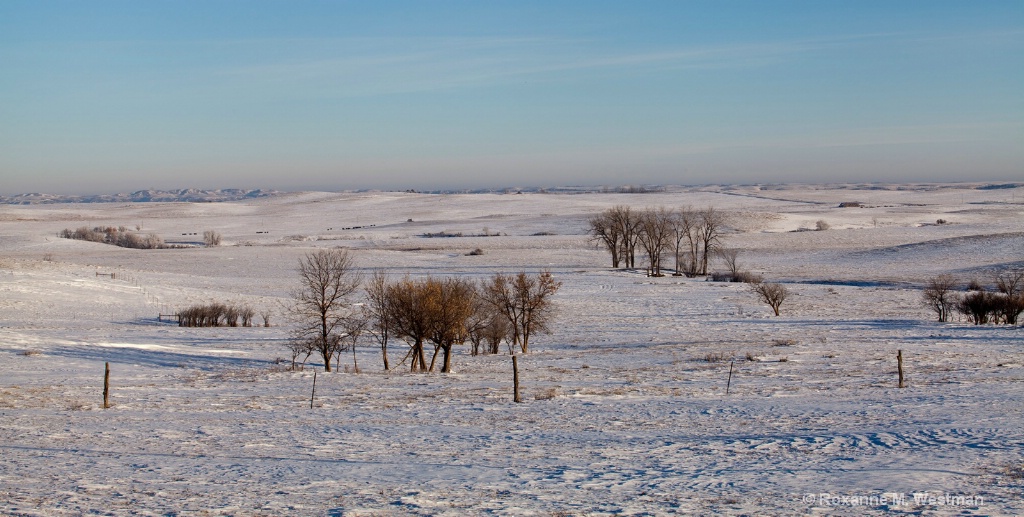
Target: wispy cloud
column 373, row 66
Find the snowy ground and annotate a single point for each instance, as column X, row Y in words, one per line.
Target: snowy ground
column 623, row 413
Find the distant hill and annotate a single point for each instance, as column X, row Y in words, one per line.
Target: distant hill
column 180, row 195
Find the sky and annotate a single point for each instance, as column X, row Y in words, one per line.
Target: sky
column 117, row 96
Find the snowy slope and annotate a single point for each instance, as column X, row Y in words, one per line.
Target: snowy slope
column 623, row 412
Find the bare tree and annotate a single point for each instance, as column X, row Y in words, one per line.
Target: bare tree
column 939, row 296
column 454, row 307
column 353, row 325
column 604, row 230
column 770, row 293
column 525, row 302
column 410, row 307
column 211, row 238
column 730, row 257
column 627, row 222
column 655, row 234
column 711, row 226
column 685, row 227
column 378, row 313
column 326, row 279
column 300, row 347
column 1011, row 302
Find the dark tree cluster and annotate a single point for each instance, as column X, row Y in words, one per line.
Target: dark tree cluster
column 977, row 304
column 216, row 315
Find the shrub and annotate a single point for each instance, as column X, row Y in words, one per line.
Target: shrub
column 475, row 252
column 717, row 357
column 977, row 306
column 821, row 225
column 939, row 297
column 211, row 238
column 770, row 293
column 215, row 315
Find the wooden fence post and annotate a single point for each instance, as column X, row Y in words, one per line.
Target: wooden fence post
column 106, row 386
column 899, row 366
column 729, row 382
column 515, row 378
column 313, row 394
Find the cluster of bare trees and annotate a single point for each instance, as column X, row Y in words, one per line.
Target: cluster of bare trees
column 420, row 312
column 977, row 304
column 692, row 236
column 119, row 236
column 216, row 315
column 444, row 312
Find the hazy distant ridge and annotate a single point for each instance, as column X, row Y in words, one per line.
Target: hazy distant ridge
column 181, row 195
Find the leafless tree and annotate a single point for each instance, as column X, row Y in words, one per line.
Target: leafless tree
column 410, row 307
column 712, row 224
column 301, row 347
column 453, row 308
column 730, row 257
column 628, row 227
column 683, row 229
column 1011, row 283
column 246, row 313
column 939, row 296
column 1011, row 289
column 606, row 233
column 770, row 293
column 525, row 302
column 655, row 234
column 353, row 325
column 378, row 313
column 211, row 238
column 326, row 279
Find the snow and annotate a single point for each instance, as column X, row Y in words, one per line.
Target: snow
column 623, row 414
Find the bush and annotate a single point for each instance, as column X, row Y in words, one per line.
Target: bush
column 821, row 225
column 215, row 315
column 475, row 252
column 211, row 238
column 977, row 306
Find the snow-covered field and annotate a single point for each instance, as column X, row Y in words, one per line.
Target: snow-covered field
column 623, row 414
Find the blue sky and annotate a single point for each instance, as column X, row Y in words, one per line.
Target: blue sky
column 106, row 96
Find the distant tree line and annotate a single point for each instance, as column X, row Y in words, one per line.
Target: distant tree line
column 119, row 236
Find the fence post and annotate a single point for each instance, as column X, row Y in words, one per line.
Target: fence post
column 106, row 386
column 899, row 366
column 515, row 378
column 313, row 394
column 729, row 382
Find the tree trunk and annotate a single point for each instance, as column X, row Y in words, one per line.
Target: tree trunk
column 384, row 353
column 355, row 365
column 447, row 367
column 433, row 358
